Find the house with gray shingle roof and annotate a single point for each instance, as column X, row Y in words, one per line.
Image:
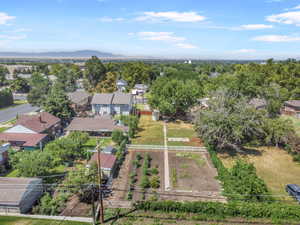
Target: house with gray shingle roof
column 18, row 195
column 112, row 104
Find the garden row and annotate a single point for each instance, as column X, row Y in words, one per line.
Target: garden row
column 147, row 176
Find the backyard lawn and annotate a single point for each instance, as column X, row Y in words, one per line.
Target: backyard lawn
column 150, row 132
column 275, row 166
column 92, row 143
column 296, row 122
column 180, row 129
column 8, row 220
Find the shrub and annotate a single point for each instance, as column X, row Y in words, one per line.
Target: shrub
column 154, row 171
column 223, row 210
column 155, row 182
column 145, row 183
column 118, row 136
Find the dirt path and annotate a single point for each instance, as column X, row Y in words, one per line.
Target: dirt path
column 166, row 160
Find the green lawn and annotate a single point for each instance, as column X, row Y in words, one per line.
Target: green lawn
column 92, row 143
column 296, row 123
column 150, row 132
column 275, row 166
column 179, row 129
column 9, row 220
column 2, row 129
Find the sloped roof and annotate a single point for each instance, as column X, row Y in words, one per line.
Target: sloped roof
column 258, row 102
column 102, row 98
column 14, row 190
column 96, row 124
column 107, row 161
column 38, row 122
column 27, row 140
column 121, row 82
column 79, row 97
column 141, row 86
column 122, row 98
column 293, row 103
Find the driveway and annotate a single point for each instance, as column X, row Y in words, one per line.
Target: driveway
column 11, row 113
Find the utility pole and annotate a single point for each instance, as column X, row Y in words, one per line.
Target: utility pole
column 101, row 209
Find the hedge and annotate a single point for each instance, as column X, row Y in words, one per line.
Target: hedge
column 241, row 182
column 6, row 98
column 223, row 210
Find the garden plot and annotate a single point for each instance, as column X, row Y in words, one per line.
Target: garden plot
column 192, row 172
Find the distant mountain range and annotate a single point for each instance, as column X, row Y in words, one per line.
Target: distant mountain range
column 58, row 54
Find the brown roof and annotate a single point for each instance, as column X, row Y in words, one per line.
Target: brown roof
column 26, row 140
column 293, row 103
column 96, row 124
column 107, row 161
column 79, row 97
column 14, row 190
column 38, row 122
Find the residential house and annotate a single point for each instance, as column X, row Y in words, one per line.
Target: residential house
column 258, row 103
column 122, row 104
column 291, row 107
column 80, row 100
column 4, row 153
column 25, row 141
column 33, row 131
column 121, row 85
column 107, row 161
column 18, row 195
column 98, row 126
column 112, row 104
column 140, row 89
column 38, row 123
column 102, row 104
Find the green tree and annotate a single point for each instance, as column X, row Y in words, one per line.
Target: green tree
column 58, row 104
column 32, row 164
column 3, row 72
column 118, row 136
column 20, row 85
column 230, row 122
column 40, row 87
column 95, row 72
column 137, row 73
column 173, row 97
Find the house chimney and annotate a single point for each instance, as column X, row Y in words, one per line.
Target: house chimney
column 40, row 118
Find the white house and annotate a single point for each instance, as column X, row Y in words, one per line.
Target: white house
column 121, row 85
column 112, row 104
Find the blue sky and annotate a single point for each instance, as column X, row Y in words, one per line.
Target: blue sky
column 237, row 29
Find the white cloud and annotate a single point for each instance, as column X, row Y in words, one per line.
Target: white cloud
column 110, row 19
column 285, row 18
column 186, row 46
column 12, row 37
column 171, row 16
column 254, row 27
column 297, row 7
column 160, row 36
column 277, row 38
column 245, row 51
column 4, row 18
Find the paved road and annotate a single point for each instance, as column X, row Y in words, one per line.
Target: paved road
column 11, row 113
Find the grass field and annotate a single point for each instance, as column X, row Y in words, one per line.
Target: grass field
column 296, row 122
column 150, row 132
column 92, row 143
column 8, row 220
column 180, row 129
column 275, row 166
